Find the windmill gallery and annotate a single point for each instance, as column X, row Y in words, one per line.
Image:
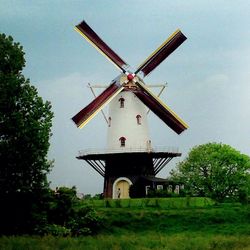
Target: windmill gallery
column 129, row 158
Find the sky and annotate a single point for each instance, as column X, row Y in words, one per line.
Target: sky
column 207, row 76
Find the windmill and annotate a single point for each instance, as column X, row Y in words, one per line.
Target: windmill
column 129, row 157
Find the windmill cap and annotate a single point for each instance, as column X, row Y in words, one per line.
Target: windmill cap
column 130, row 76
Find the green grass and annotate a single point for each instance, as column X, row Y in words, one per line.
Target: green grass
column 130, row 241
column 214, row 220
column 164, row 203
column 163, row 223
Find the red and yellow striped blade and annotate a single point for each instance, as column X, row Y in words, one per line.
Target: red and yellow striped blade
column 160, row 54
column 160, row 109
column 85, row 30
column 87, row 113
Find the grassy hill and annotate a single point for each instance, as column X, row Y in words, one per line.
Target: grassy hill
column 162, row 223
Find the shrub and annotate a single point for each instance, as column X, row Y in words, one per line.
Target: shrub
column 66, row 215
column 84, row 221
column 53, row 229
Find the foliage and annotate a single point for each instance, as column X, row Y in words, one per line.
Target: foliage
column 85, row 221
column 214, row 170
column 62, row 205
column 53, row 229
column 12, row 56
column 94, row 197
column 25, row 129
column 25, row 125
column 67, row 216
column 98, row 196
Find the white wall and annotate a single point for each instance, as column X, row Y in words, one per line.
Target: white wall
column 124, row 123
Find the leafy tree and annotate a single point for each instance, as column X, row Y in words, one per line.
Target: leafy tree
column 25, row 129
column 214, row 170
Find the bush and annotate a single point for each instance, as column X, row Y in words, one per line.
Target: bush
column 53, row 229
column 66, row 215
column 62, row 205
column 85, row 221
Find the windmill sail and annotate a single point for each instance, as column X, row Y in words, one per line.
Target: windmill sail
column 141, row 91
column 87, row 113
column 159, row 55
column 160, row 109
column 85, row 30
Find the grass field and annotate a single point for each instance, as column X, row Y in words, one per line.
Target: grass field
column 164, row 203
column 130, row 241
column 171, row 223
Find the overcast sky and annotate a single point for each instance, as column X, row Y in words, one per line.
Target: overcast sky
column 208, row 75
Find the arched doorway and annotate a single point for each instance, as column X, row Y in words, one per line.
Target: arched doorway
column 121, row 188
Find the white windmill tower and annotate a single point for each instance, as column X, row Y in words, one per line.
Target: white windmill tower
column 127, row 124
column 129, row 158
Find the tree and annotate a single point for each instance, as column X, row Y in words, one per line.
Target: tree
column 25, row 129
column 214, row 170
column 63, row 205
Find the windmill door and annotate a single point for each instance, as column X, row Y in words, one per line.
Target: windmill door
column 122, row 188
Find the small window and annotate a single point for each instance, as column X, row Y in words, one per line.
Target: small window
column 109, row 122
column 138, row 118
column 122, row 141
column 121, row 100
column 159, row 187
